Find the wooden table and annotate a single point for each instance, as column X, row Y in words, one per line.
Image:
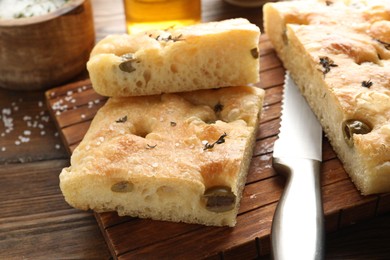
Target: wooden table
column 35, row 221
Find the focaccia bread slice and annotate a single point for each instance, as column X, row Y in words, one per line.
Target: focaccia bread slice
column 176, row 157
column 338, row 53
column 201, row 56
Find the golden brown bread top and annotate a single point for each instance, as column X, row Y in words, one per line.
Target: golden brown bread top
column 202, row 56
column 156, row 39
column 167, row 135
column 349, row 43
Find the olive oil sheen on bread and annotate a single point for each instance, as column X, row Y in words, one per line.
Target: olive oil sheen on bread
column 144, row 15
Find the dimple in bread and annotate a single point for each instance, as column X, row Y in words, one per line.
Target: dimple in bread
column 338, row 53
column 176, row 157
column 202, row 56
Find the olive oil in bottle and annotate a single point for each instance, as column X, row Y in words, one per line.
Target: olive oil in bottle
column 160, row 14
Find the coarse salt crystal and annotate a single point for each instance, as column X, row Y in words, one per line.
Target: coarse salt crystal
column 43, row 132
column 17, row 142
column 24, row 139
column 3, row 149
column 40, row 103
column 155, row 165
column 6, row 111
column 27, row 132
column 45, row 118
column 82, row 116
column 69, row 92
column 57, row 146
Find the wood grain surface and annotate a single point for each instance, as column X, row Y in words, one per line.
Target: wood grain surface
column 74, row 106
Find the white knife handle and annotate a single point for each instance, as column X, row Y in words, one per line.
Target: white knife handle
column 298, row 226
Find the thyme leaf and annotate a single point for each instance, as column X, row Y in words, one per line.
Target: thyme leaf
column 220, row 140
column 169, row 38
column 151, row 146
column 385, row 44
column 121, row 120
column 326, row 64
column 218, row 107
column 367, row 84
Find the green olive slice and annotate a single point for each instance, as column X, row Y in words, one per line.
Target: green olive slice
column 219, row 199
column 122, row 186
column 255, row 53
column 351, row 127
column 127, row 64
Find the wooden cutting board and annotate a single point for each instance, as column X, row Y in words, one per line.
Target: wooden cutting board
column 73, row 107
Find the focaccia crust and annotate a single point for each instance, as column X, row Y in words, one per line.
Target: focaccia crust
column 202, row 56
column 156, row 156
column 338, row 53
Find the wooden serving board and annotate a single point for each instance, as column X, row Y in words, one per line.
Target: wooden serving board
column 73, row 107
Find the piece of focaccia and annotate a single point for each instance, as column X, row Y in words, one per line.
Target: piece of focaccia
column 202, row 56
column 176, row 157
column 338, row 53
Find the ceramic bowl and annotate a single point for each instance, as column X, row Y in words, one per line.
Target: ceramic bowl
column 44, row 51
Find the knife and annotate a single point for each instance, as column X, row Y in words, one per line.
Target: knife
column 298, row 228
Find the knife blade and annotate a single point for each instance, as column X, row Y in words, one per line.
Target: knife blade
column 297, row 230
